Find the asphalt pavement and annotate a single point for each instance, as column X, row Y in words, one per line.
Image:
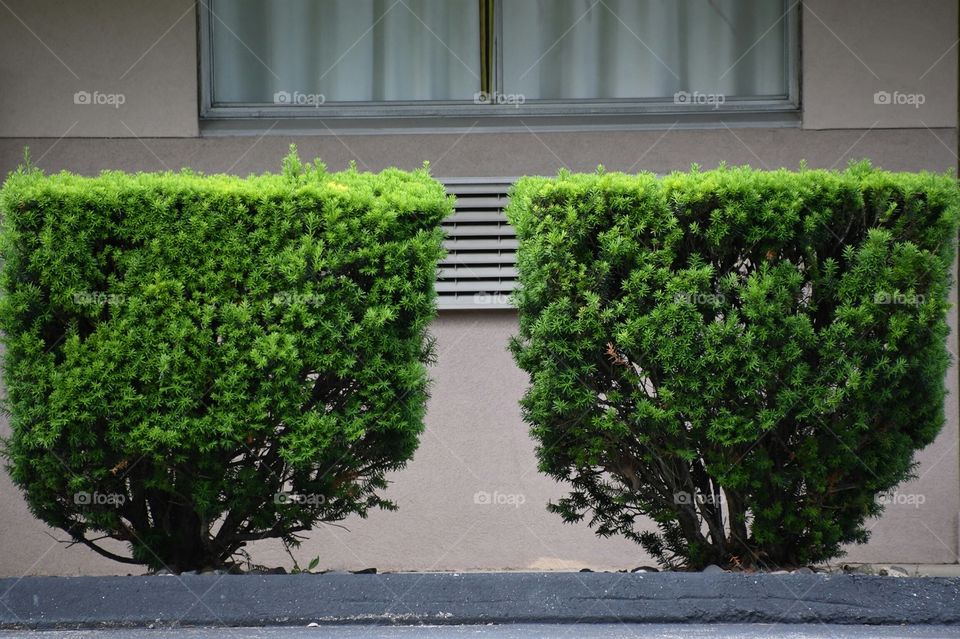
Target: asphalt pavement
column 474, row 599
column 517, row 631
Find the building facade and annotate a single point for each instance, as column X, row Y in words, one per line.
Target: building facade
column 485, row 91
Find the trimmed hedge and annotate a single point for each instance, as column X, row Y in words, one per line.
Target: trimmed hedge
column 747, row 357
column 196, row 362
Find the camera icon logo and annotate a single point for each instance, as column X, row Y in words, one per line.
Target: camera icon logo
column 282, row 97
column 482, row 97
column 81, row 97
column 881, row 97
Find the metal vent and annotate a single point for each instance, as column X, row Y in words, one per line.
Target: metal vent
column 479, row 270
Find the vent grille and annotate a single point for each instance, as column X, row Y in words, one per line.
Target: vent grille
column 480, row 268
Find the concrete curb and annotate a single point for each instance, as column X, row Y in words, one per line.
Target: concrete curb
column 474, row 598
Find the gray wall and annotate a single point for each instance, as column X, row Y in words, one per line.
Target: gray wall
column 148, row 51
column 855, row 48
column 145, row 50
column 475, row 440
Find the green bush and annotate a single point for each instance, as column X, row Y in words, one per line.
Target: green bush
column 746, row 357
column 196, row 362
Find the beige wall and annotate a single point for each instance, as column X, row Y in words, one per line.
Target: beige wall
column 855, row 48
column 146, row 51
column 504, row 154
column 475, row 440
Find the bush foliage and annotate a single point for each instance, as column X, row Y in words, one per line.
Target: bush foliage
column 196, row 362
column 746, row 357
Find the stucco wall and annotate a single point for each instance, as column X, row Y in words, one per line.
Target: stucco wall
column 856, row 48
column 146, row 51
column 475, row 440
column 504, row 154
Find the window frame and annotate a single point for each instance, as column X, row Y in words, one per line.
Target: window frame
column 782, row 109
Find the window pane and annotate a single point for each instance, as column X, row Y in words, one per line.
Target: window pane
column 344, row 50
column 568, row 49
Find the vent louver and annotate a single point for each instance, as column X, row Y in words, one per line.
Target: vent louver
column 479, row 270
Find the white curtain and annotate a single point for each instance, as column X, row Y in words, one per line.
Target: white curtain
column 569, row 49
column 345, row 50
column 387, row 50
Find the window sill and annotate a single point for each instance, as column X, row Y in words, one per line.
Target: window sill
column 266, row 123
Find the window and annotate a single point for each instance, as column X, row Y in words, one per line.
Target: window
column 344, row 50
column 562, row 50
column 487, row 57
